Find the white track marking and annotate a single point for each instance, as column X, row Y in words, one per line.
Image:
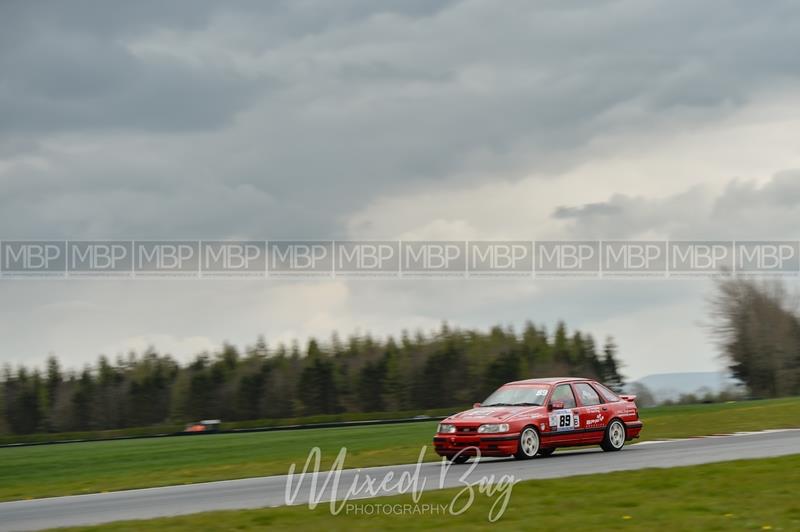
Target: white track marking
column 734, row 434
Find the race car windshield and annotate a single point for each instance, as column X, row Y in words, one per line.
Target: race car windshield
column 517, row 396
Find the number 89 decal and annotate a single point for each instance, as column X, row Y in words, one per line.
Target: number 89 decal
column 563, row 420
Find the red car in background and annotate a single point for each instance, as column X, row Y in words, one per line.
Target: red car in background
column 535, row 417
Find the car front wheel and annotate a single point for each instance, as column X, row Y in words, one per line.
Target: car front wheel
column 614, row 438
column 528, row 444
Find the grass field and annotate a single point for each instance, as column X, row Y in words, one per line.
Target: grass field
column 740, row 495
column 50, row 470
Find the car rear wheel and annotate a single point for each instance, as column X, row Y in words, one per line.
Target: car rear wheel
column 458, row 459
column 528, row 444
column 544, row 453
column 614, row 437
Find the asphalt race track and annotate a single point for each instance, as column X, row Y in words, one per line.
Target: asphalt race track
column 271, row 491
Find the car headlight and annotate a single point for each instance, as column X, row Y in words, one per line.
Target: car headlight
column 494, row 427
column 444, row 427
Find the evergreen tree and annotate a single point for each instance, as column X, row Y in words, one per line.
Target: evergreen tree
column 317, row 388
column 611, row 376
column 561, row 354
column 83, row 401
column 451, row 368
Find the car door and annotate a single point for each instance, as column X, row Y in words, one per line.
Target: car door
column 564, row 422
column 593, row 414
column 617, row 406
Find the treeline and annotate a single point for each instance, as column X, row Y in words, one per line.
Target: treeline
column 449, row 368
column 757, row 324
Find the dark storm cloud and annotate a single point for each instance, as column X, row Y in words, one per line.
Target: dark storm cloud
column 281, row 118
column 207, row 119
column 66, row 67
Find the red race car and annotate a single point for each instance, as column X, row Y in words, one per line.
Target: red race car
column 535, row 417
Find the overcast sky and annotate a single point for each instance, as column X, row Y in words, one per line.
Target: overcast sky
column 395, row 119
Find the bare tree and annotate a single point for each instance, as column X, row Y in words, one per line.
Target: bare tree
column 757, row 328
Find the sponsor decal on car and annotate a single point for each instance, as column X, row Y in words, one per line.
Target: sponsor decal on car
column 597, row 420
column 564, row 420
column 480, row 413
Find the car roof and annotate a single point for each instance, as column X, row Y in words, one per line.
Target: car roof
column 551, row 380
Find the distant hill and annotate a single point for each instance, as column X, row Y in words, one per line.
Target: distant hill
column 670, row 386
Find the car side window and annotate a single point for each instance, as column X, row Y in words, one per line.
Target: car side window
column 608, row 395
column 563, row 393
column 587, row 394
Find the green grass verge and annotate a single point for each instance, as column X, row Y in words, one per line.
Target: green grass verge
column 681, row 421
column 50, row 470
column 740, row 495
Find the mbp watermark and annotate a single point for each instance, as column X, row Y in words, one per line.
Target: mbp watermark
column 567, row 259
column 634, row 259
column 700, row 258
column 434, row 258
column 33, row 258
column 178, row 258
column 512, row 259
column 300, row 259
column 776, row 258
column 367, row 259
column 234, row 259
column 393, row 259
column 102, row 259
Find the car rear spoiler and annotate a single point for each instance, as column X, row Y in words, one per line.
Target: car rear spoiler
column 630, row 398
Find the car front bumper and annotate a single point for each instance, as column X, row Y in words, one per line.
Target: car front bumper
column 488, row 444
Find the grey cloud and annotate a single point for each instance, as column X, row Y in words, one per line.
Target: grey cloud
column 781, row 192
column 60, row 80
column 293, row 114
column 743, row 210
column 118, row 310
column 318, row 108
column 587, row 210
column 66, row 66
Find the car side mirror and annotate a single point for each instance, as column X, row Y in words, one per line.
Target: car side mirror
column 556, row 405
column 476, row 405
